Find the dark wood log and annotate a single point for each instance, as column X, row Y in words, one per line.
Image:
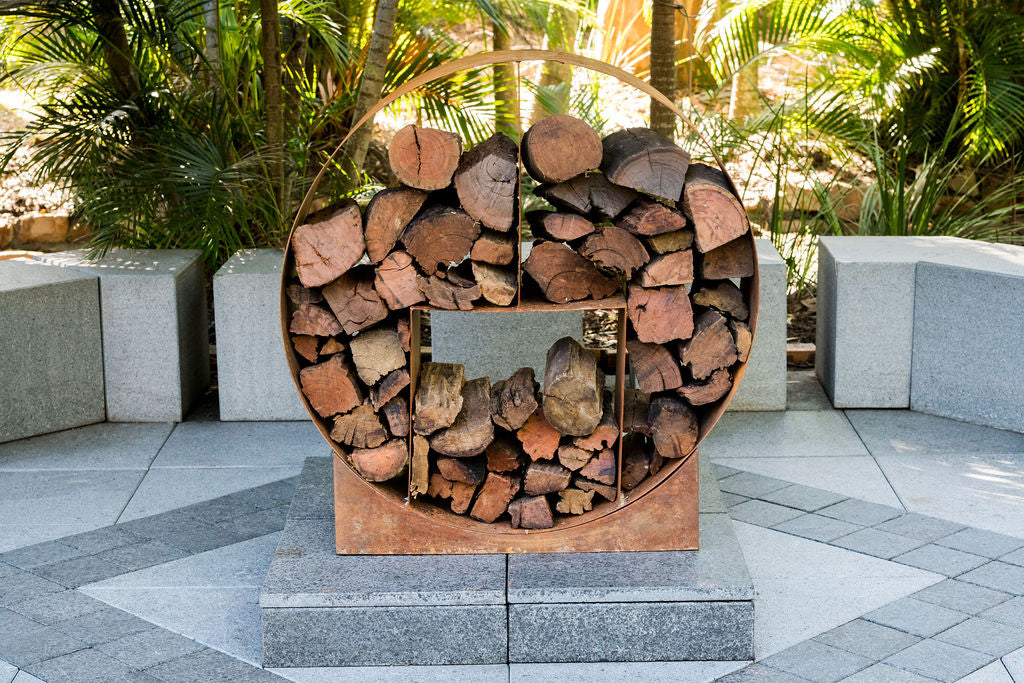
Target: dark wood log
column 652, row 219
column 497, row 284
column 702, row 393
column 636, row 412
column 464, row 470
column 359, row 428
column 381, row 463
column 487, row 182
column 387, row 214
column 331, row 387
column 355, row 302
column 513, row 400
column 315, row 321
column 306, row 346
column 438, row 396
column 615, row 249
column 743, row 337
column 564, row 276
column 573, row 388
column 559, row 147
column 591, row 195
column 332, row 346
column 607, row 431
column 645, row 160
column 636, row 463
column 674, row 427
column 668, row 242
column 303, row 296
column 574, row 457
column 504, row 455
column 460, row 493
column 389, row 387
column 531, row 512
column 375, row 353
column 395, row 281
column 717, row 215
column 711, row 347
column 674, row 268
column 659, row 315
column 494, row 248
column 472, row 429
column 722, row 296
column 424, row 158
column 732, row 259
column 559, row 227
column 604, row 490
column 326, row 250
column 539, row 439
column 440, row 237
column 497, row 492
column 574, row 501
column 601, row 468
column 450, row 293
column 419, row 479
column 397, row 413
column 545, row 477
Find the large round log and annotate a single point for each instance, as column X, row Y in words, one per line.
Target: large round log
column 424, row 158
column 559, row 147
column 645, row 160
column 659, row 315
column 717, row 216
column 487, row 182
column 381, row 463
column 564, row 276
column 472, row 429
column 572, row 389
column 387, row 214
column 440, row 237
column 325, row 250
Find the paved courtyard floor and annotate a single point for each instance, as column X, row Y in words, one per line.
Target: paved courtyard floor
column 883, row 546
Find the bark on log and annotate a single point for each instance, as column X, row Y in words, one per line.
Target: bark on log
column 723, row 296
column 675, row 268
column 466, row 471
column 375, row 353
column 531, row 512
column 645, row 160
column 387, row 214
column 504, row 455
column 601, row 468
column 494, row 248
column 559, row 227
column 636, row 412
column 452, row 293
column 743, row 337
column 440, row 237
column 732, row 259
column 314, row 320
column 591, row 195
column 326, row 250
column 359, row 428
column 395, row 281
column 381, row 463
column 702, row 393
column 573, row 388
column 574, row 501
column 420, row 474
column 397, row 413
column 389, row 387
column 659, row 315
column 560, row 147
column 606, row 433
column 717, row 216
column 604, row 490
column 487, row 182
column 497, row 284
column 668, row 242
column 355, row 302
column 616, row 249
column 438, row 396
column 539, row 439
column 545, row 477
column 330, row 387
column 424, row 158
column 404, row 333
column 574, row 457
column 513, row 400
column 303, row 296
column 305, row 345
column 636, row 464
column 564, row 276
column 673, row 427
column 497, row 492
column 653, row 219
column 712, row 346
column 472, row 429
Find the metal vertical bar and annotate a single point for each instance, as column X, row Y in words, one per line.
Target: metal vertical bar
column 620, row 394
column 414, row 372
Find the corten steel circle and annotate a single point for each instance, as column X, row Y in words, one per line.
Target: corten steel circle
column 707, row 420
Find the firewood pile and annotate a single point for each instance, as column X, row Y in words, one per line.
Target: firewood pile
column 631, row 223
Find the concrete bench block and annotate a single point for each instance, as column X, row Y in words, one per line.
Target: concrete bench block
column 764, row 383
column 156, row 359
column 253, row 379
column 51, row 367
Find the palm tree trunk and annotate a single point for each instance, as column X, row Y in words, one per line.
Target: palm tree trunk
column 211, row 17
column 745, row 98
column 270, row 51
column 505, row 97
column 663, row 64
column 110, row 25
column 561, row 35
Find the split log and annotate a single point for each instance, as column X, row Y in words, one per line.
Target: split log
column 332, row 346
column 394, row 382
column 461, row 494
column 545, row 477
column 397, row 413
column 305, row 346
column 636, row 412
column 325, row 251
column 303, row 296
column 602, row 468
column 723, row 296
column 375, row 353
column 564, row 276
column 330, row 387
column 539, row 439
column 355, row 302
column 424, row 158
column 513, row 400
column 574, row 457
column 359, row 428
column 653, row 219
column 452, row 293
column 395, row 281
column 387, row 214
column 590, row 194
column 503, row 455
column 717, row 216
column 616, row 249
column 531, row 512
column 743, row 337
column 732, row 259
column 702, row 393
column 675, row 268
column 440, row 237
column 494, row 248
column 472, row 429
column 673, row 427
column 314, row 320
column 466, row 471
column 438, row 396
column 487, row 182
column 636, row 464
column 659, row 315
column 668, row 242
column 559, row 227
column 404, row 333
column 604, row 490
column 420, row 474
column 497, row 492
column 558, row 147
column 497, row 284
column 574, row 501
column 606, row 433
column 573, row 388
column 711, row 347
column 645, row 160
column 381, row 463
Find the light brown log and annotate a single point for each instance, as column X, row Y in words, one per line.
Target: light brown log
column 574, row 457
column 711, row 347
column 497, row 492
column 381, row 463
column 487, row 182
column 590, row 194
column 397, row 413
column 355, row 302
column 564, row 276
column 303, row 296
column 440, row 237
column 601, row 468
column 420, row 474
column 448, row 293
column 717, row 216
column 494, row 248
column 314, row 320
column 332, row 346
column 387, row 214
column 573, row 388
column 472, row 429
column 667, row 242
column 513, row 400
column 604, row 490
column 709, row 391
column 395, row 281
column 659, row 315
column 559, row 227
column 466, row 471
column 438, row 396
column 424, row 158
column 636, row 463
column 388, row 388
column 324, row 251
column 305, row 346
column 461, row 494
column 650, row 219
column 574, row 501
column 673, row 427
column 723, row 296
column 404, row 333
column 646, row 161
column 504, row 455
column 539, row 439
column 607, row 431
column 615, row 249
column 675, row 268
column 732, row 259
column 497, row 284
column 359, row 428
column 636, row 412
column 743, row 337
column 376, row 353
column 331, row 387
column 559, row 147
column 531, row 512
column 545, row 477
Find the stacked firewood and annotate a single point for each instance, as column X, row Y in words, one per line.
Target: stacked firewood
column 628, row 216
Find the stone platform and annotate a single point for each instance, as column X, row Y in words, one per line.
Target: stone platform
column 321, row 609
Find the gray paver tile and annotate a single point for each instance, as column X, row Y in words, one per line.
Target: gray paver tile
column 159, row 525
column 141, row 555
column 817, row 662
column 914, row 616
column 1010, row 613
column 998, row 576
column 103, row 625
column 887, row 673
column 87, row 666
column 761, row 513
column 804, row 498
column 149, row 648
column 270, row 495
column 751, row 485
column 867, row 639
column 939, row 559
column 962, row 597
column 877, row 543
column 210, row 666
column 105, row 538
column 219, row 509
column 25, row 677
column 259, row 523
column 80, row 571
column 921, row 527
column 32, row 556
column 731, row 499
column 782, row 434
column 816, row 527
column 860, row 512
column 1015, row 558
column 939, row 660
column 723, row 471
column 25, row 641
column 7, row 672
column 53, row 607
column 758, row 673
column 907, row 431
column 983, row 635
column 18, row 585
column 980, row 542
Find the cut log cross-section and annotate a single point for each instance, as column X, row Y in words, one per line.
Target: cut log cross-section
column 497, row 284
column 381, row 463
column 375, row 353
column 591, row 195
column 325, row 250
column 560, row 227
column 732, row 259
column 355, row 302
column 675, row 268
column 653, row 366
column 717, row 216
column 560, row 147
column 494, row 248
column 440, row 237
column 387, row 214
column 314, row 320
column 673, row 427
column 615, row 249
column 645, row 160
column 497, row 492
column 652, row 219
column 424, row 158
column 712, row 346
column 395, row 281
column 539, row 439
column 723, row 296
column 514, row 400
column 359, row 428
column 487, row 182
column 531, row 512
column 659, row 315
column 472, row 429
column 331, row 387
column 564, row 276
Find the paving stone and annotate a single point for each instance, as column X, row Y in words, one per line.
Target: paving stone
column 1016, row 557
column 87, row 666
column 158, row 526
column 867, row 639
column 215, row 443
column 981, row 542
column 7, row 672
column 816, row 527
column 1010, row 613
column 149, row 648
column 313, row 498
column 26, row 677
column 259, row 523
column 936, row 659
column 939, row 559
column 921, row 527
column 591, row 672
column 210, row 666
column 723, row 471
column 983, row 635
column 783, row 434
column 141, row 555
column 804, row 498
column 960, row 596
column 818, row 662
column 915, row 616
column 995, row 672
column 270, row 495
column 106, row 538
column 25, row 641
column 758, row 673
column 103, row 446
column 998, row 576
column 80, row 571
column 463, row 673
column 1014, row 663
column 18, row 585
column 804, row 391
column 731, row 499
column 219, row 509
column 103, row 625
column 860, row 512
column 202, row 537
column 53, row 607
column 886, row 673
column 891, row 432
column 877, row 543
column 32, row 556
column 762, row 514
